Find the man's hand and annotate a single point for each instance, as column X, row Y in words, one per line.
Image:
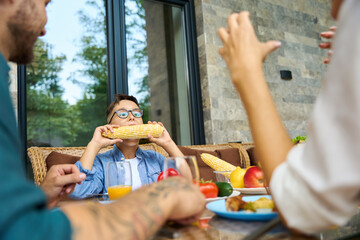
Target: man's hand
column 190, row 202
column 328, row 45
column 242, row 51
column 60, row 181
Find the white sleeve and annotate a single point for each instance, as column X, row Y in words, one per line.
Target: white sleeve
column 319, row 184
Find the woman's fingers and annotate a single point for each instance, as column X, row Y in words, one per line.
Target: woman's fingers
column 325, row 45
column 269, row 47
column 223, row 34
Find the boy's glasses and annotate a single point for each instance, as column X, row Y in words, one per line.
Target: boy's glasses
column 123, row 113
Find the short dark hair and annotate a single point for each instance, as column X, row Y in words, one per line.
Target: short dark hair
column 118, row 98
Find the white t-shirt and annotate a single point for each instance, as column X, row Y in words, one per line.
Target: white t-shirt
column 318, row 185
column 136, row 181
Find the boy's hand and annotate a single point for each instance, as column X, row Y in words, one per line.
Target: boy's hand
column 164, row 139
column 101, row 141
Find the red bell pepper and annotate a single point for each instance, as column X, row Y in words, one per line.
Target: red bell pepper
column 170, row 172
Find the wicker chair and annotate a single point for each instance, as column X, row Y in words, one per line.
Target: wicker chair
column 38, row 155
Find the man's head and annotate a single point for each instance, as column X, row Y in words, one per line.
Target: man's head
column 22, row 24
column 124, row 109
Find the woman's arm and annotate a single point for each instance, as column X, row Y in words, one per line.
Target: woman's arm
column 244, row 54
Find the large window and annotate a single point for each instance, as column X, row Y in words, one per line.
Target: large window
column 94, row 49
column 67, row 82
column 157, row 64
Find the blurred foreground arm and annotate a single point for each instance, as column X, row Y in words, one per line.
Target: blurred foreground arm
column 308, row 188
column 244, row 55
column 140, row 214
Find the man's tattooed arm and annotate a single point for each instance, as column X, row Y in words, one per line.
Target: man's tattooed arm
column 138, row 215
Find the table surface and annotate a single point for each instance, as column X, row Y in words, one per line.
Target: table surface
column 213, row 227
column 229, row 229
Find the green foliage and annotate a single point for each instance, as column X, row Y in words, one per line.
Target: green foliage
column 47, row 116
column 42, row 74
column 52, row 120
column 299, row 138
column 90, row 110
column 90, row 113
column 136, row 24
column 48, row 119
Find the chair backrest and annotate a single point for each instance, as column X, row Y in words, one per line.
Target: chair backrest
column 244, row 157
column 38, row 155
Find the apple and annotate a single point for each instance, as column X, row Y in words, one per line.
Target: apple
column 254, row 178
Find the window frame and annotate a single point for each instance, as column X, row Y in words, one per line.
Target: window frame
column 118, row 77
column 117, row 66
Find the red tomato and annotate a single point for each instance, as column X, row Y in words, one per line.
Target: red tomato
column 210, row 190
column 204, row 222
column 170, row 172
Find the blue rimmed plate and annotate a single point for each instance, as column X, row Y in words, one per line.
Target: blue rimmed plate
column 234, row 193
column 219, row 208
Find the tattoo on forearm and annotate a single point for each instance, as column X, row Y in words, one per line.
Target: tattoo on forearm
column 133, row 218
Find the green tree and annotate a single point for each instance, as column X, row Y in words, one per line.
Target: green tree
column 135, row 25
column 47, row 118
column 42, row 73
column 90, row 110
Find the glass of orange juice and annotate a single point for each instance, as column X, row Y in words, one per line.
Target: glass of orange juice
column 118, row 179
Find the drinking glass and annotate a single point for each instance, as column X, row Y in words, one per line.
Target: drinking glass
column 185, row 166
column 118, row 179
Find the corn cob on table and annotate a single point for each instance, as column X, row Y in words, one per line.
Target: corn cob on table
column 135, row 131
column 217, row 164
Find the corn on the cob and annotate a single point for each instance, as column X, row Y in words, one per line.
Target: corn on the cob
column 217, row 164
column 135, row 131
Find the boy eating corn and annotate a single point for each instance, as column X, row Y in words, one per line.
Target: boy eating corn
column 146, row 165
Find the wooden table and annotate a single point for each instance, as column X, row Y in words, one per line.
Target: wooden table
column 228, row 229
column 219, row 228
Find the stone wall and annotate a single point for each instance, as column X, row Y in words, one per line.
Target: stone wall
column 297, row 25
column 158, row 73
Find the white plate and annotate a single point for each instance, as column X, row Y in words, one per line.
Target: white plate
column 234, row 193
column 252, row 190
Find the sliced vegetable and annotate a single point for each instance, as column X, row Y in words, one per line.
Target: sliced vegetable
column 225, row 189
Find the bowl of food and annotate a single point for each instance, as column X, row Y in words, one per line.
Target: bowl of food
column 223, row 176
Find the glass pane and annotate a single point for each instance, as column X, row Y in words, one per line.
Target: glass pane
column 157, row 71
column 67, row 81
